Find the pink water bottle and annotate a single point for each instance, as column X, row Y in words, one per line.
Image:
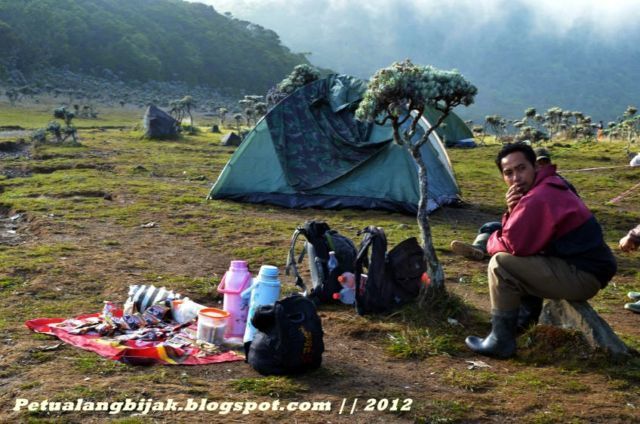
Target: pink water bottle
column 234, row 281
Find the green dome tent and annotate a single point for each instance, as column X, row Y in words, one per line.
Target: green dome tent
column 453, row 132
column 309, row 151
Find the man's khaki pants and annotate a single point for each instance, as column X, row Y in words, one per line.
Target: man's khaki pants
column 511, row 277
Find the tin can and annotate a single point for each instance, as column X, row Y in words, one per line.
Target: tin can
column 107, row 311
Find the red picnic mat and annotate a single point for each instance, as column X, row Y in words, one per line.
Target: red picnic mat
column 135, row 352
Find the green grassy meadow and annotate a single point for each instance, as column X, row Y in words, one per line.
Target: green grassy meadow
column 81, row 241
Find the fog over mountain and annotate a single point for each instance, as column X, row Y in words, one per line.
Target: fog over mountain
column 579, row 55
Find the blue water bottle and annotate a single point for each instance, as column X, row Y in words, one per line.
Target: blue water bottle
column 264, row 290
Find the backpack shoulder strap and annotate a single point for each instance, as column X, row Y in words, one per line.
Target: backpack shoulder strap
column 291, row 259
column 329, row 239
column 362, row 257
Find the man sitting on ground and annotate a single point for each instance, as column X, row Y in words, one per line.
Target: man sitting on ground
column 530, row 306
column 550, row 246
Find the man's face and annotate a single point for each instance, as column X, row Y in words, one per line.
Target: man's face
column 518, row 171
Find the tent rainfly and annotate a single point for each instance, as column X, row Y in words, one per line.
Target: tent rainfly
column 309, row 151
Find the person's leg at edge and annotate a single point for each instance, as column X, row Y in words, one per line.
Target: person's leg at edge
column 478, row 249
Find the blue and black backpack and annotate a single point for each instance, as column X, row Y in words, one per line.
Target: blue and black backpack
column 320, row 240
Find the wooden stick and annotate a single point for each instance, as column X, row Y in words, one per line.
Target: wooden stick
column 617, row 199
column 595, row 169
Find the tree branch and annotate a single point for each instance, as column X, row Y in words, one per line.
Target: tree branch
column 432, row 128
column 414, row 123
column 384, row 121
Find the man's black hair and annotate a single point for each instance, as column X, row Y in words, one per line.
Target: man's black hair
column 507, row 149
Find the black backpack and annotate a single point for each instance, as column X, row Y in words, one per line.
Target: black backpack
column 320, row 240
column 289, row 337
column 393, row 278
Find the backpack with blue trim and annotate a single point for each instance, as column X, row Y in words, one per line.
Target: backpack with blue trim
column 320, row 240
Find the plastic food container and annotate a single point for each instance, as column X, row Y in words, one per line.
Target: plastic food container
column 212, row 324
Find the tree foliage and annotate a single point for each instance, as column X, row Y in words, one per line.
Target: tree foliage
column 142, row 40
column 626, row 127
column 400, row 94
column 238, row 118
column 60, row 133
column 497, row 124
column 182, row 108
column 253, row 107
column 300, row 76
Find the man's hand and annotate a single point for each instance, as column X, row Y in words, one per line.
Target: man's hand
column 513, row 196
column 627, row 244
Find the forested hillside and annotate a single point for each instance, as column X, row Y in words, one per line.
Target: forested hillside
column 162, row 40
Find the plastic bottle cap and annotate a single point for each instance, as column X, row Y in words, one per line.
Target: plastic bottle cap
column 238, row 266
column 336, row 296
column 269, row 270
column 268, row 276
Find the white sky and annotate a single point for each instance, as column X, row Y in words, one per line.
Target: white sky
column 606, row 17
column 332, row 30
column 358, row 37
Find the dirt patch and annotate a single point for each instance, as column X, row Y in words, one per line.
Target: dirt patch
column 12, row 227
column 64, row 167
column 75, row 155
column 16, row 172
column 14, row 149
column 28, row 170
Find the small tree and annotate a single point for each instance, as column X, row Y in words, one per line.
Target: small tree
column 13, row 95
column 54, row 128
column 478, row 132
column 400, row 94
column 222, row 113
column 249, row 112
column 250, row 107
column 176, row 110
column 497, row 124
column 64, row 114
column 69, row 130
column 187, row 104
column 260, row 108
column 553, row 121
column 299, row 77
column 631, row 123
column 274, row 96
column 238, row 118
column 247, row 108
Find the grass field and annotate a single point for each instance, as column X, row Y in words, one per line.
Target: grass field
column 80, row 241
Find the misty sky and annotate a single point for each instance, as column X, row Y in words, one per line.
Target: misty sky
column 361, row 36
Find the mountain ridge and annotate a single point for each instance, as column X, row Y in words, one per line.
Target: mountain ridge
column 161, row 40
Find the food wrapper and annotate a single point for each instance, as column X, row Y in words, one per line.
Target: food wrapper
column 134, row 321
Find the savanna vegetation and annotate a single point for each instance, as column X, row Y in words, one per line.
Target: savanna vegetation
column 73, row 233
